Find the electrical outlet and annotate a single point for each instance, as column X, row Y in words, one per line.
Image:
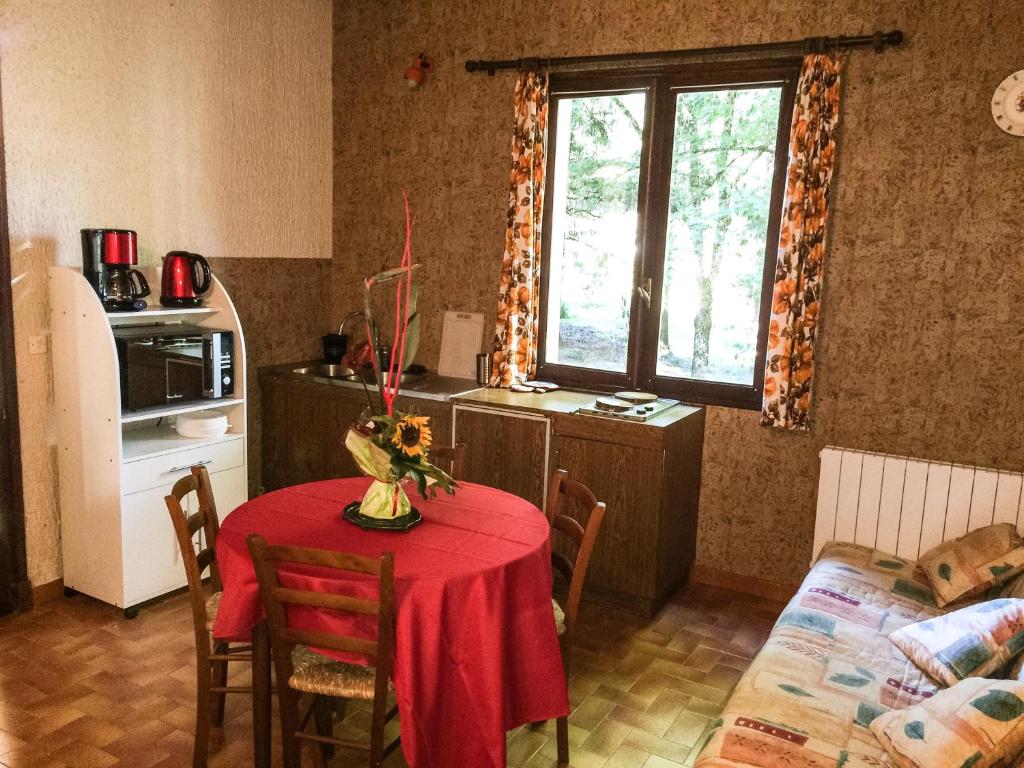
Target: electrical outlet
column 37, row 344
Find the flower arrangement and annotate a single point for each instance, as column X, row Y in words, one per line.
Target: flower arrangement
column 391, row 447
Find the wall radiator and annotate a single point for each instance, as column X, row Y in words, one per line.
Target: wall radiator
column 906, row 506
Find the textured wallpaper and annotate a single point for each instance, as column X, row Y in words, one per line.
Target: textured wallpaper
column 922, row 336
column 204, row 125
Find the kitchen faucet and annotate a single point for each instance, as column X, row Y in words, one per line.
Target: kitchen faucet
column 350, row 316
column 353, row 361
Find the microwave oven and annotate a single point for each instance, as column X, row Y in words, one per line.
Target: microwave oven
column 173, row 365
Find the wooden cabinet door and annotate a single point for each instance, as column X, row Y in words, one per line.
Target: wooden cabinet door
column 628, row 479
column 505, row 450
column 304, row 434
column 439, row 411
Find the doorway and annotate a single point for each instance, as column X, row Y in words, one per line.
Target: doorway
column 14, row 586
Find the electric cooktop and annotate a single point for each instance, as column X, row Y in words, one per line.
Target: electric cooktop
column 628, row 406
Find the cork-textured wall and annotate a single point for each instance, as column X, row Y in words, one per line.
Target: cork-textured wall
column 922, row 334
column 204, row 126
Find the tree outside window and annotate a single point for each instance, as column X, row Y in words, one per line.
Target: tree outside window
column 663, row 202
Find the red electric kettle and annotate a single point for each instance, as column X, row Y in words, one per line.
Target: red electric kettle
column 186, row 277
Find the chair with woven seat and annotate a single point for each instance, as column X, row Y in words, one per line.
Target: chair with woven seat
column 301, row 670
column 212, row 656
column 449, row 458
column 574, row 570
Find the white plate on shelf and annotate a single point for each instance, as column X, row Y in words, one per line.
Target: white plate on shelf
column 212, row 423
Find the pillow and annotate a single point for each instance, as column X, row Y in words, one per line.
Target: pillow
column 971, row 642
column 973, row 563
column 977, row 723
column 1014, row 670
column 1014, row 588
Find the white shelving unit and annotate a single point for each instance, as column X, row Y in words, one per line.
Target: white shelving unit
column 115, row 469
column 148, row 414
column 159, row 315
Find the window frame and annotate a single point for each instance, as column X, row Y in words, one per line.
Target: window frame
column 662, row 84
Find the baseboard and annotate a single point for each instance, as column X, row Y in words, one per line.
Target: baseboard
column 748, row 585
column 44, row 593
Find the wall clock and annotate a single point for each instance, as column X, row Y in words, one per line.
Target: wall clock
column 1008, row 104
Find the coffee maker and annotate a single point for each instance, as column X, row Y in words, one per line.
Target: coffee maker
column 108, row 258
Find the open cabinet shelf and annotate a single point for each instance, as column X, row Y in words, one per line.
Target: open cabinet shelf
column 162, row 411
column 151, row 442
column 158, row 315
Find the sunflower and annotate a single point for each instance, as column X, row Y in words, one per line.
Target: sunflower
column 412, row 435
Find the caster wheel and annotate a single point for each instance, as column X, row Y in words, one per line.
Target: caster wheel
column 70, row 592
column 131, row 613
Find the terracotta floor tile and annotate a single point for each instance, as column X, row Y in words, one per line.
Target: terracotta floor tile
column 523, row 745
column 657, row 746
column 627, row 757
column 656, row 761
column 687, row 728
column 81, row 687
column 606, row 738
column 639, row 721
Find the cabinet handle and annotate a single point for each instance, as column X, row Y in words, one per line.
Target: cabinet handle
column 202, row 463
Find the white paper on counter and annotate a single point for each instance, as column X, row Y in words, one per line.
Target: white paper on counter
column 461, row 338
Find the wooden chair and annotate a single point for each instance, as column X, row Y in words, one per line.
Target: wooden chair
column 303, row 671
column 212, row 656
column 449, row 458
column 574, row 570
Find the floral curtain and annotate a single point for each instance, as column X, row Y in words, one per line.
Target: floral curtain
column 515, row 337
column 789, row 372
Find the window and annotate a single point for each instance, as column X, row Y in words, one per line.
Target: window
column 664, row 196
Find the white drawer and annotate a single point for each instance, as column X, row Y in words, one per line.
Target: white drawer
column 162, row 471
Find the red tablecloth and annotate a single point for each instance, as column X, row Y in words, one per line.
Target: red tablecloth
column 476, row 651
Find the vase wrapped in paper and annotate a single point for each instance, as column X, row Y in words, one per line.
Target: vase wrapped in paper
column 393, row 451
column 392, row 448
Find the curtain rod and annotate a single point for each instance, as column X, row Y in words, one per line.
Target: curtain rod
column 878, row 40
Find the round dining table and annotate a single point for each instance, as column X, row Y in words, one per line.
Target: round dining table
column 476, row 651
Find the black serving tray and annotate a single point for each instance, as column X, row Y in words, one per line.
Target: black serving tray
column 401, row 523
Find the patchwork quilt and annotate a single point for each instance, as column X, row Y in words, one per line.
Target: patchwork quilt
column 828, row 669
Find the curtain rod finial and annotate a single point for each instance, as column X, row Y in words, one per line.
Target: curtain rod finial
column 881, row 39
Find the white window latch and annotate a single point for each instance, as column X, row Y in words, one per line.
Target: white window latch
column 645, row 292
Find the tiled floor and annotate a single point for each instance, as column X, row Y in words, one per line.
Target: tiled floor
column 81, row 687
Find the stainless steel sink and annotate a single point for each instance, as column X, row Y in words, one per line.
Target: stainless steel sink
column 328, row 371
column 344, row 373
column 370, row 378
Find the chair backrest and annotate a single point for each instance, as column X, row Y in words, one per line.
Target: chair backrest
column 449, row 458
column 269, row 560
column 185, row 528
column 574, row 570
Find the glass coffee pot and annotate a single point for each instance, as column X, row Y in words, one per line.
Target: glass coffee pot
column 124, row 286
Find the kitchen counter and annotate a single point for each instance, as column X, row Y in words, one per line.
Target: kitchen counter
column 430, row 387
column 647, row 472
column 563, row 402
